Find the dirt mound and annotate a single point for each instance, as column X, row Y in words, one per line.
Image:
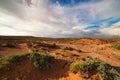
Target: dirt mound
column 65, row 52
column 35, row 66
column 25, row 71
column 7, row 51
column 89, row 41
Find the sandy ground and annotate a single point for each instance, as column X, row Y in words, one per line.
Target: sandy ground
column 93, row 48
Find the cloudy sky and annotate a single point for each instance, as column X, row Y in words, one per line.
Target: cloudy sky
column 60, row 18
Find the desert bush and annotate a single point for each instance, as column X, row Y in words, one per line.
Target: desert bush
column 56, row 53
column 116, row 46
column 29, row 44
column 53, row 45
column 106, row 71
column 84, row 59
column 13, row 59
column 16, row 58
column 70, row 48
column 11, row 44
column 78, row 50
column 76, row 66
column 89, row 57
column 67, row 48
column 40, row 61
column 4, row 64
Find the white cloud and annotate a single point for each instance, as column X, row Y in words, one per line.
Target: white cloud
column 39, row 18
column 114, row 30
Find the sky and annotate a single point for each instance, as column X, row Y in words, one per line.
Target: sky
column 60, row 18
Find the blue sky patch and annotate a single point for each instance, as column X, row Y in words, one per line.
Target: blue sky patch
column 114, row 21
column 93, row 27
column 68, row 2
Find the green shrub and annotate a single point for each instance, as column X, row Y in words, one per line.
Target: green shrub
column 106, row 71
column 13, row 59
column 76, row 66
column 40, row 61
column 4, row 64
column 116, row 46
column 67, row 48
column 16, row 58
